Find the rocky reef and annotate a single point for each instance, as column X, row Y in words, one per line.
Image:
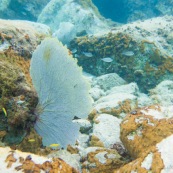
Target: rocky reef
column 139, row 52
column 21, row 37
column 18, row 98
column 130, row 71
column 69, row 19
column 16, row 161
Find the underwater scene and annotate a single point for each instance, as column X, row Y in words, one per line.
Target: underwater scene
column 86, row 86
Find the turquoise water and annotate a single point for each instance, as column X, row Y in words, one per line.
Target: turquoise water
column 117, row 10
column 113, row 9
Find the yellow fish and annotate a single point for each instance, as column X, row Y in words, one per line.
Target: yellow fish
column 31, row 140
column 54, row 145
column 5, row 112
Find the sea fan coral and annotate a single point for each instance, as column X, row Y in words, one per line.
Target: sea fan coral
column 62, row 91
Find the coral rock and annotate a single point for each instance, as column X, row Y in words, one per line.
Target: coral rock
column 146, row 128
column 16, row 97
column 151, row 54
column 31, row 163
column 105, row 131
column 21, row 36
column 102, row 160
column 158, row 159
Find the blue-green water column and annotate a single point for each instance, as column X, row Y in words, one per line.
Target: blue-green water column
column 113, row 9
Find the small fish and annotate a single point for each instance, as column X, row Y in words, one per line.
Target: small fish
column 19, row 102
column 76, row 55
column 54, row 145
column 128, row 53
column 88, row 54
column 31, row 140
column 107, row 59
column 5, row 112
column 74, row 50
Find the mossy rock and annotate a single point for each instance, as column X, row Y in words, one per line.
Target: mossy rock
column 147, row 66
column 14, row 137
column 9, row 76
column 31, row 143
column 17, row 99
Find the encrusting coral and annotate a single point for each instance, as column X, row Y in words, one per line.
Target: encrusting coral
column 17, row 98
column 16, row 161
column 141, row 130
column 102, row 160
column 147, row 59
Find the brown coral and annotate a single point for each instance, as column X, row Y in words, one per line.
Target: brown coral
column 27, row 162
column 102, row 160
column 139, row 131
column 16, row 96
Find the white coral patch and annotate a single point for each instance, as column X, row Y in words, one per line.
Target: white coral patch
column 147, row 162
column 165, row 148
column 107, row 130
column 101, row 157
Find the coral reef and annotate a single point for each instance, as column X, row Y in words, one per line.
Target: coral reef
column 102, row 160
column 154, row 159
column 109, row 45
column 12, row 161
column 31, row 143
column 17, row 98
column 135, row 54
column 82, row 15
column 126, row 131
column 21, row 37
column 145, row 129
column 105, row 132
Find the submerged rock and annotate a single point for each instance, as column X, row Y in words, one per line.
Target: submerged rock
column 96, row 93
column 130, row 88
column 157, row 158
column 15, row 87
column 162, row 94
column 17, row 161
column 100, row 160
column 72, row 159
column 146, row 128
column 149, row 41
column 21, row 37
column 108, row 81
column 69, row 18
column 116, row 104
column 106, row 130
